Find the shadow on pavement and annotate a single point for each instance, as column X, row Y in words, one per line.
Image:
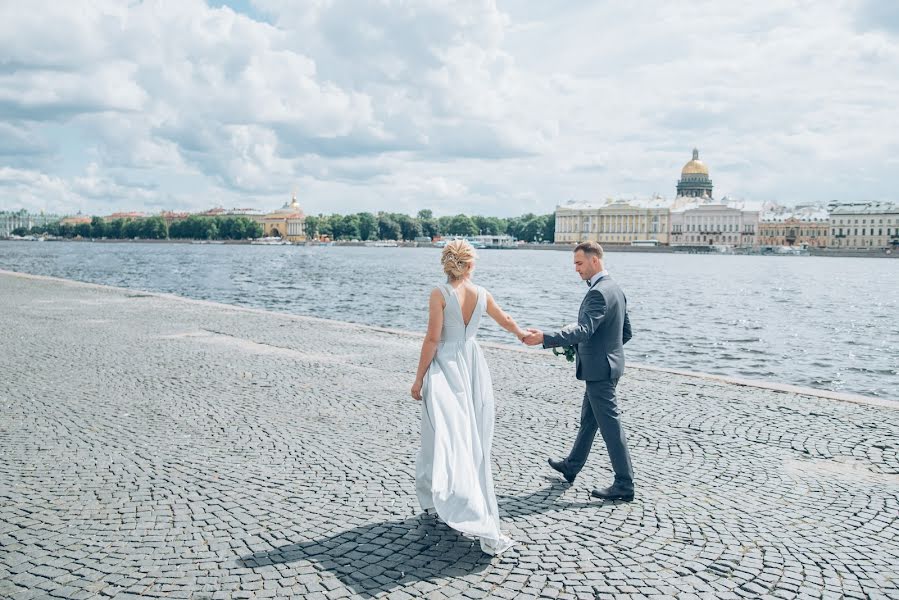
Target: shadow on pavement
column 380, row 557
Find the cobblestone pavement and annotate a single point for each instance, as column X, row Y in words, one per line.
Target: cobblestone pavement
column 168, row 448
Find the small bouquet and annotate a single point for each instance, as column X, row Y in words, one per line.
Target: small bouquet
column 566, row 351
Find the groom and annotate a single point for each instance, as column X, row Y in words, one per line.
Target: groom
column 599, row 335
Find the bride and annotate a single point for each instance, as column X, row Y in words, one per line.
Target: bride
column 453, row 473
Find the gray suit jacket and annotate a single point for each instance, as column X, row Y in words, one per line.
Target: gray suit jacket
column 599, row 335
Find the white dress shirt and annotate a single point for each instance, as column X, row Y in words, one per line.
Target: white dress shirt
column 598, row 276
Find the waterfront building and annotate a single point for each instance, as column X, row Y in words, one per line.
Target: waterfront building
column 492, row 241
column 803, row 226
column 288, row 222
column 124, row 216
column 618, row 222
column 694, row 179
column 865, row 225
column 697, row 219
column 77, row 219
column 249, row 213
column 709, row 223
column 14, row 219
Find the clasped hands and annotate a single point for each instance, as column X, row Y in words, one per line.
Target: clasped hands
column 531, row 337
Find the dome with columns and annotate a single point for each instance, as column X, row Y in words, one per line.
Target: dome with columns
column 694, row 179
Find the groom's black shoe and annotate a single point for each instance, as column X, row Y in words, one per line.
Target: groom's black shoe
column 559, row 465
column 617, row 491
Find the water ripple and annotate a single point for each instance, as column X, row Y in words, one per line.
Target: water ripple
column 820, row 322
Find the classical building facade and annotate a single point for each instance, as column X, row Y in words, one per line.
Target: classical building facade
column 10, row 220
column 616, row 222
column 864, row 225
column 699, row 220
column 694, row 179
column 693, row 219
column 714, row 224
column 288, row 222
column 803, row 226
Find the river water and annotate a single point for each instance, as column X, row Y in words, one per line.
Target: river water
column 830, row 323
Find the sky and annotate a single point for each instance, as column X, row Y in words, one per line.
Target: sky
column 481, row 107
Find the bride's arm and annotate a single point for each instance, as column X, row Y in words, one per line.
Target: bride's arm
column 432, row 339
column 502, row 319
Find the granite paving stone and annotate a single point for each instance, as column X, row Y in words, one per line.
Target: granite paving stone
column 158, row 447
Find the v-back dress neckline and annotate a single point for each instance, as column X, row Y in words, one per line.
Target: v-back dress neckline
column 477, row 302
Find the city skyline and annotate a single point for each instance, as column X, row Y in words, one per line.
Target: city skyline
column 497, row 109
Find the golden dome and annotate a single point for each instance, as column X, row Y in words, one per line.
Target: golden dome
column 695, row 166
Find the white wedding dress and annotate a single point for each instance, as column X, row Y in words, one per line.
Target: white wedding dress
column 453, row 473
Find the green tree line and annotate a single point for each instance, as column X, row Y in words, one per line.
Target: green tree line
column 396, row 226
column 153, row 228
column 359, row 226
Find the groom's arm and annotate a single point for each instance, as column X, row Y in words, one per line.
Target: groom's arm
column 592, row 317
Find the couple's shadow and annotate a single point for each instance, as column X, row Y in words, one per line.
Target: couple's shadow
column 375, row 558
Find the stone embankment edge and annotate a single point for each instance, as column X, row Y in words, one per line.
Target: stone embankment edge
column 754, row 383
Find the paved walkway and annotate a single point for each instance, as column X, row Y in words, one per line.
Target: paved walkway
column 171, row 448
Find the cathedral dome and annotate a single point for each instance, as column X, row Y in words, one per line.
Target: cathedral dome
column 694, row 179
column 695, row 166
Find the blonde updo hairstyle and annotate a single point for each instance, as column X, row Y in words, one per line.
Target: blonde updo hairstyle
column 457, row 258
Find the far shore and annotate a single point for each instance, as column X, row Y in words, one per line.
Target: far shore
column 871, row 253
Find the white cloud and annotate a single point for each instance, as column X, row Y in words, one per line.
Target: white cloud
column 452, row 105
column 87, row 192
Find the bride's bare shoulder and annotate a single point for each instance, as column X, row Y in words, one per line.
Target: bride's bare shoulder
column 437, row 295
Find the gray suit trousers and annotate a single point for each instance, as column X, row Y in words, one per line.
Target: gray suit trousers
column 600, row 411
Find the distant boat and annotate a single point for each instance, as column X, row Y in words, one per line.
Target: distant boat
column 382, row 244
column 270, row 241
column 481, row 242
column 790, row 250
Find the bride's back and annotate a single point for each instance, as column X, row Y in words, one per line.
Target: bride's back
column 467, row 294
column 461, row 311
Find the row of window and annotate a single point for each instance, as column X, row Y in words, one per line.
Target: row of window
column 855, row 231
column 600, row 238
column 611, row 224
column 801, row 232
column 853, row 243
column 747, row 229
column 725, row 239
column 864, row 222
column 711, row 227
column 611, row 228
